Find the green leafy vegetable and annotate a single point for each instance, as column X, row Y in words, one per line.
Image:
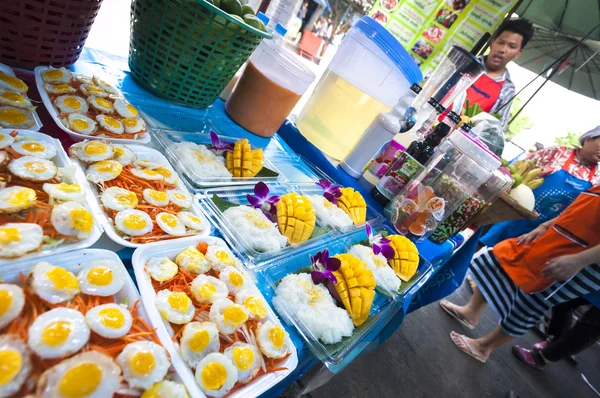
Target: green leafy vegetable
column 222, row 204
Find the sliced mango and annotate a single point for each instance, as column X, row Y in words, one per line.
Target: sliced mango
column 406, row 258
column 356, row 287
column 295, row 217
column 243, row 161
column 353, row 204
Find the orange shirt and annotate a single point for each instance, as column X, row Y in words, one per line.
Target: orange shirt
column 576, row 229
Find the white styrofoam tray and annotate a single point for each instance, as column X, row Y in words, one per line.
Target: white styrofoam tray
column 143, row 138
column 152, row 155
column 170, row 249
column 62, row 160
column 38, row 123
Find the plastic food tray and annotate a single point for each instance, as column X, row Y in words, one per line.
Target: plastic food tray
column 235, row 239
column 164, row 331
column 153, row 155
column 334, row 356
column 62, row 160
column 38, row 123
column 142, row 138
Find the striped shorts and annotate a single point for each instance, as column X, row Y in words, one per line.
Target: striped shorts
column 519, row 311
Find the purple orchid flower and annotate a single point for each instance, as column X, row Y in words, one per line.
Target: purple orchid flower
column 380, row 244
column 323, row 267
column 330, row 191
column 219, row 146
column 261, row 200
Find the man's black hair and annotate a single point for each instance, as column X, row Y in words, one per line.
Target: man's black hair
column 520, row 26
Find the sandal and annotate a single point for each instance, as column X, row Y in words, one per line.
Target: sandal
column 450, row 309
column 470, row 352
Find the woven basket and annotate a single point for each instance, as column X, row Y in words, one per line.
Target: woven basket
column 505, row 208
column 44, row 32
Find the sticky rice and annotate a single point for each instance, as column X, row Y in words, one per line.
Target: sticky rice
column 202, row 160
column 256, row 229
column 314, row 306
column 329, row 214
column 383, row 273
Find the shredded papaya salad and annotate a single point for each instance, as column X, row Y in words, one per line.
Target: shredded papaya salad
column 41, row 206
column 142, row 197
column 73, row 331
column 217, row 318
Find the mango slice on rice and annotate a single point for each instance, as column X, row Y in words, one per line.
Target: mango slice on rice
column 353, row 203
column 355, row 286
column 295, row 217
column 406, row 258
column 244, row 161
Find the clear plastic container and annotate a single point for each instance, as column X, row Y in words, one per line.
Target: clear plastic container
column 368, row 74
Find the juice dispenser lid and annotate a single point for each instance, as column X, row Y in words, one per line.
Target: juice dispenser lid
column 391, row 47
column 474, row 149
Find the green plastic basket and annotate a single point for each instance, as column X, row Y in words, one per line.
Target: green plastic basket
column 187, row 50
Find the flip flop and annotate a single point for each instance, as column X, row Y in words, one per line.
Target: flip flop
column 470, row 352
column 452, row 312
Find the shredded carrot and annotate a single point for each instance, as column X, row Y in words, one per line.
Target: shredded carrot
column 124, row 136
column 14, row 133
column 202, row 247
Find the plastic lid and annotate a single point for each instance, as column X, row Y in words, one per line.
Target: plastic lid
column 280, row 29
column 439, row 108
column 474, row 149
column 391, row 47
column 415, row 88
column 454, row 117
column 466, row 127
column 263, row 18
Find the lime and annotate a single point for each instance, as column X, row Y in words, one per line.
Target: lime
column 254, row 22
column 512, row 169
column 247, row 10
column 504, row 162
column 518, row 180
column 217, row 3
column 233, row 7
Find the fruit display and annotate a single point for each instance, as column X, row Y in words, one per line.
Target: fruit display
column 355, row 287
column 525, row 172
column 244, row 161
column 295, row 217
column 406, row 257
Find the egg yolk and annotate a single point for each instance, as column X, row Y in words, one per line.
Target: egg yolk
column 151, row 172
column 119, row 151
column 111, row 318
column 154, row 391
column 12, row 116
column 158, row 195
column 11, row 362
column 179, row 196
column 255, row 306
column 234, row 315
column 80, row 380
column 5, row 302
column 179, row 302
column 104, row 103
column 9, row 235
column 194, row 219
column 72, row 102
column 164, row 172
column 222, row 255
column 132, row 110
column 206, row 290
column 100, row 276
column 56, row 333
column 82, row 220
column 214, row 375
column 68, row 188
column 199, row 341
column 62, row 279
column 94, row 89
column 22, row 197
column 127, row 199
column 170, row 220
column 142, row 362
column 111, row 122
column 33, row 147
column 13, row 81
column 12, row 96
column 63, row 88
column 53, row 74
column 35, row 167
column 243, row 357
column 276, row 335
column 109, row 166
column 135, row 222
column 129, row 122
column 236, row 279
column 95, row 148
column 80, row 124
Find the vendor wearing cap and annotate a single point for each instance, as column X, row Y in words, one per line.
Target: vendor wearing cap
column 566, row 172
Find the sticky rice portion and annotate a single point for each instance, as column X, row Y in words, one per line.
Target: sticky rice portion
column 202, row 160
column 256, row 229
column 384, row 274
column 329, row 214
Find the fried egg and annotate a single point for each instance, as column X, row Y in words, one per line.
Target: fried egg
column 81, row 124
column 59, row 88
column 273, row 340
column 58, row 333
column 72, row 219
column 6, row 140
column 16, row 118
column 89, row 374
column 147, row 174
column 133, row 222
column 12, row 98
column 123, row 154
column 71, row 104
column 246, row 359
column 143, row 363
column 54, row 284
column 216, row 375
column 118, row 199
column 191, row 220
column 57, row 76
column 208, row 289
column 234, row 279
column 227, row 315
column 169, row 175
column 92, row 151
column 17, row 239
column 124, row 109
column 109, row 320
column 32, row 168
column 180, row 198
column 14, row 199
column 12, row 83
column 83, row 79
column 220, row 257
column 105, row 86
column 12, row 301
column 175, row 307
column 15, row 364
column 91, row 89
column 100, row 104
column 110, row 124
column 133, row 125
column 253, row 302
column 161, row 269
column 170, row 224
column 34, row 148
column 147, row 164
column 166, row 389
column 63, row 191
column 192, row 261
column 104, row 170
column 101, row 278
column 155, row 198
column 197, row 341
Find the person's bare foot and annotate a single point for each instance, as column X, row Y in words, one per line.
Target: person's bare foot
column 470, row 346
column 462, row 312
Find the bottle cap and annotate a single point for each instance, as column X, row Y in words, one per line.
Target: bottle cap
column 280, row 29
column 415, row 88
column 263, row 18
column 439, row 108
column 454, row 117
